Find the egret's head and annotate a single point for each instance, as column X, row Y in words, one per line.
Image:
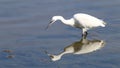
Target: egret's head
column 54, row 18
column 55, row 57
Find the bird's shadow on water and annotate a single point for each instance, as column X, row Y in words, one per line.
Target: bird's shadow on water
column 83, row 46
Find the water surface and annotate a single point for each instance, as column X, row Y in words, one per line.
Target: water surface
column 24, row 42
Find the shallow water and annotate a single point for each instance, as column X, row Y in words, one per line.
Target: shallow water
column 25, row 44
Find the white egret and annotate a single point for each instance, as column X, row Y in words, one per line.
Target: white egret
column 80, row 20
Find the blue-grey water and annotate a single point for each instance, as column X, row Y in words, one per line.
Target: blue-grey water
column 24, row 42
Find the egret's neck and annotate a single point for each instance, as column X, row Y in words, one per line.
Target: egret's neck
column 58, row 57
column 61, row 54
column 68, row 21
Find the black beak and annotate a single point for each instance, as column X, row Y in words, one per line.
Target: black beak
column 49, row 25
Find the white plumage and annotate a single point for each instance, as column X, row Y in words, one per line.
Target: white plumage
column 88, row 21
column 80, row 20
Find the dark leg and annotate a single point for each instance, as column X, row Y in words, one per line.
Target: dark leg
column 84, row 35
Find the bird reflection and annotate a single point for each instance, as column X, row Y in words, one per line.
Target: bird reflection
column 80, row 47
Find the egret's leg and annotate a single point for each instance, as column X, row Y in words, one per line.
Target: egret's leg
column 84, row 35
column 84, row 32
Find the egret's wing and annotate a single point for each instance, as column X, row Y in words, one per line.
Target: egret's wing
column 88, row 20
